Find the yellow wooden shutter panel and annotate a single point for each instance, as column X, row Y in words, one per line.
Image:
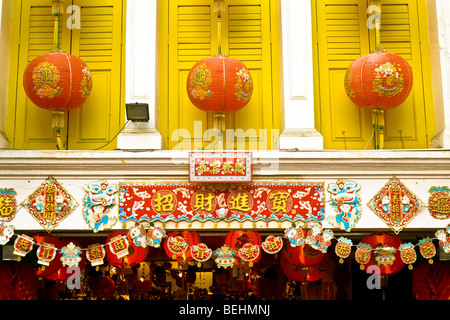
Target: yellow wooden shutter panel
column 99, row 44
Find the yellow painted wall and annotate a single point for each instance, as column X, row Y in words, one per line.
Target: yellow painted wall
column 189, row 33
column 341, row 35
column 99, row 42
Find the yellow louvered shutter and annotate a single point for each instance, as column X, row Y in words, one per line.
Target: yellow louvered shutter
column 33, row 125
column 192, row 36
column 342, row 36
column 98, row 43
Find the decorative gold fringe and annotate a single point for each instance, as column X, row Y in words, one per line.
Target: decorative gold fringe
column 57, row 119
column 57, row 7
column 219, row 6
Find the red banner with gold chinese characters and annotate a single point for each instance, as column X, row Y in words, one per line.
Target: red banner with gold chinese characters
column 303, row 201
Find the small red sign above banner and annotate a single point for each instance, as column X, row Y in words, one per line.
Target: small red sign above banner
column 224, row 166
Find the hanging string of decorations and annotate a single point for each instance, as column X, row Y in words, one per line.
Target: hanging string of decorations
column 57, row 81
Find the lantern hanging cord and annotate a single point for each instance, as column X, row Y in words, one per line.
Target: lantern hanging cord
column 57, row 36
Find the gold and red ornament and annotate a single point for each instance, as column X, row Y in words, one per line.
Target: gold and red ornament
column 8, row 205
column 363, row 254
column 23, row 245
column 219, row 84
column 177, row 243
column 343, row 248
column 379, row 81
column 318, row 238
column 225, row 256
column 49, row 204
column 272, row 244
column 408, row 254
column 250, row 253
column 57, row 81
column 55, row 264
column 439, row 202
column 237, row 239
column 200, row 252
column 63, row 272
column 6, row 233
column 427, row 249
column 121, row 252
column 443, row 235
column 395, row 204
column 45, row 253
column 297, row 268
column 96, row 254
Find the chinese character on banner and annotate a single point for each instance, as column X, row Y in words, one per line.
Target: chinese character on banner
column 346, row 202
column 23, row 245
column 164, row 202
column 45, row 253
column 343, row 248
column 203, row 203
column 97, row 203
column 118, row 245
column 363, row 254
column 250, row 253
column 395, row 204
column 95, row 253
column 272, row 244
column 6, row 233
column 8, row 206
column 408, row 254
column 49, row 204
column 70, row 255
column 427, row 249
column 200, row 252
column 223, row 166
column 240, row 202
column 439, row 202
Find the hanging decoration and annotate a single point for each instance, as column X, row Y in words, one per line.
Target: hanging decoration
column 176, row 246
column 439, row 202
column 8, row 205
column 427, row 249
column 200, row 252
column 295, row 236
column 237, row 239
column 155, row 236
column 385, row 252
column 346, row 202
column 70, row 255
column 443, row 236
column 408, row 254
column 250, row 253
column 49, row 204
column 6, row 233
column 378, row 81
column 97, row 203
column 57, row 81
column 395, row 204
column 318, row 238
column 177, row 202
column 272, row 244
column 118, row 245
column 55, row 264
column 221, row 166
column 23, row 245
column 139, row 235
column 363, row 254
column 45, row 253
column 225, row 256
column 343, row 248
column 96, row 254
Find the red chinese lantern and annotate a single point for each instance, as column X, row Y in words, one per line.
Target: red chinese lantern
column 237, row 239
column 301, row 273
column 191, row 238
column 136, row 254
column 380, row 80
column 303, row 255
column 385, row 253
column 219, row 84
column 57, row 81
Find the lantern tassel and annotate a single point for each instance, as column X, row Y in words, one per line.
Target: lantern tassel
column 57, row 119
column 378, row 123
